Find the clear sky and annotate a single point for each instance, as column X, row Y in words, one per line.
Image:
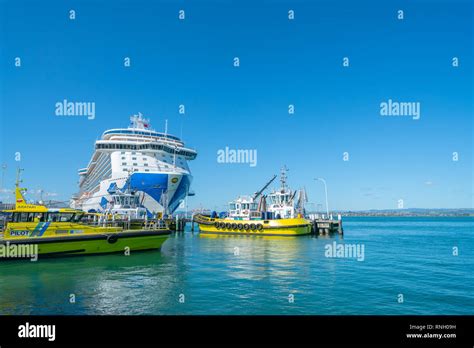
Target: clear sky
column 282, row 62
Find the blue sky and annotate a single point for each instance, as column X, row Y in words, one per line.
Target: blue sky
column 282, row 62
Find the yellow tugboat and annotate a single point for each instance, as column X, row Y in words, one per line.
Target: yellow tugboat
column 284, row 215
column 67, row 232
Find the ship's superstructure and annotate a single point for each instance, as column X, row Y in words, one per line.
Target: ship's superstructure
column 152, row 164
column 282, row 203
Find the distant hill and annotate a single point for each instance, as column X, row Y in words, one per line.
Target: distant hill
column 409, row 212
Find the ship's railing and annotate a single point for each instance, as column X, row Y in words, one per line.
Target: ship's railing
column 149, row 133
column 7, row 206
column 181, row 151
column 134, row 224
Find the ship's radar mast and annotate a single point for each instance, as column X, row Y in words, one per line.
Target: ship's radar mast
column 283, row 178
column 138, row 122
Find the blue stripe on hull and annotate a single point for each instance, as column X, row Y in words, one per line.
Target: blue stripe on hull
column 152, row 184
column 181, row 193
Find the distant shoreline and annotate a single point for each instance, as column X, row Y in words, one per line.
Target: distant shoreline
column 405, row 215
column 414, row 212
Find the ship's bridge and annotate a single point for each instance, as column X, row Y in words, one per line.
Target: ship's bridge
column 106, row 145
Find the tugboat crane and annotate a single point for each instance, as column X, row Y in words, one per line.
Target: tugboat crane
column 257, row 194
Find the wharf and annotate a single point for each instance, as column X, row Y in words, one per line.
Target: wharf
column 325, row 226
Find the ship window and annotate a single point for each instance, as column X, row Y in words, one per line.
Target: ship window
column 232, row 206
column 147, row 170
column 134, row 158
column 134, row 153
column 9, row 217
column 135, row 164
column 51, row 217
column 77, row 217
column 124, row 163
column 123, row 158
column 145, row 164
column 23, row 217
column 15, row 217
column 65, row 217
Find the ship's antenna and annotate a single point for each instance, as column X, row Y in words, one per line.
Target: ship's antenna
column 283, row 177
column 166, row 128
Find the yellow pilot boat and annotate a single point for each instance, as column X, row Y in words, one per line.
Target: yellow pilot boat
column 68, row 232
column 282, row 215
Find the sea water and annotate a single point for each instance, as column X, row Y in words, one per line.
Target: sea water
column 409, row 266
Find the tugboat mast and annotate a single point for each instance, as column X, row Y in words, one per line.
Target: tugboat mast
column 283, row 178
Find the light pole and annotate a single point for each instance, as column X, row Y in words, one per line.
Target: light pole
column 4, row 168
column 326, row 192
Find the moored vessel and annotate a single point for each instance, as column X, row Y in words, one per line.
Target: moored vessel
column 70, row 232
column 250, row 215
column 153, row 164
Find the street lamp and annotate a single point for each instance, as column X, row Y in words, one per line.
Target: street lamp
column 4, row 168
column 326, row 192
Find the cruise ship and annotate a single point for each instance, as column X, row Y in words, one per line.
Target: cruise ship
column 152, row 164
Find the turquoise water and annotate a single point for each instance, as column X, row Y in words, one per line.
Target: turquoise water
column 245, row 275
